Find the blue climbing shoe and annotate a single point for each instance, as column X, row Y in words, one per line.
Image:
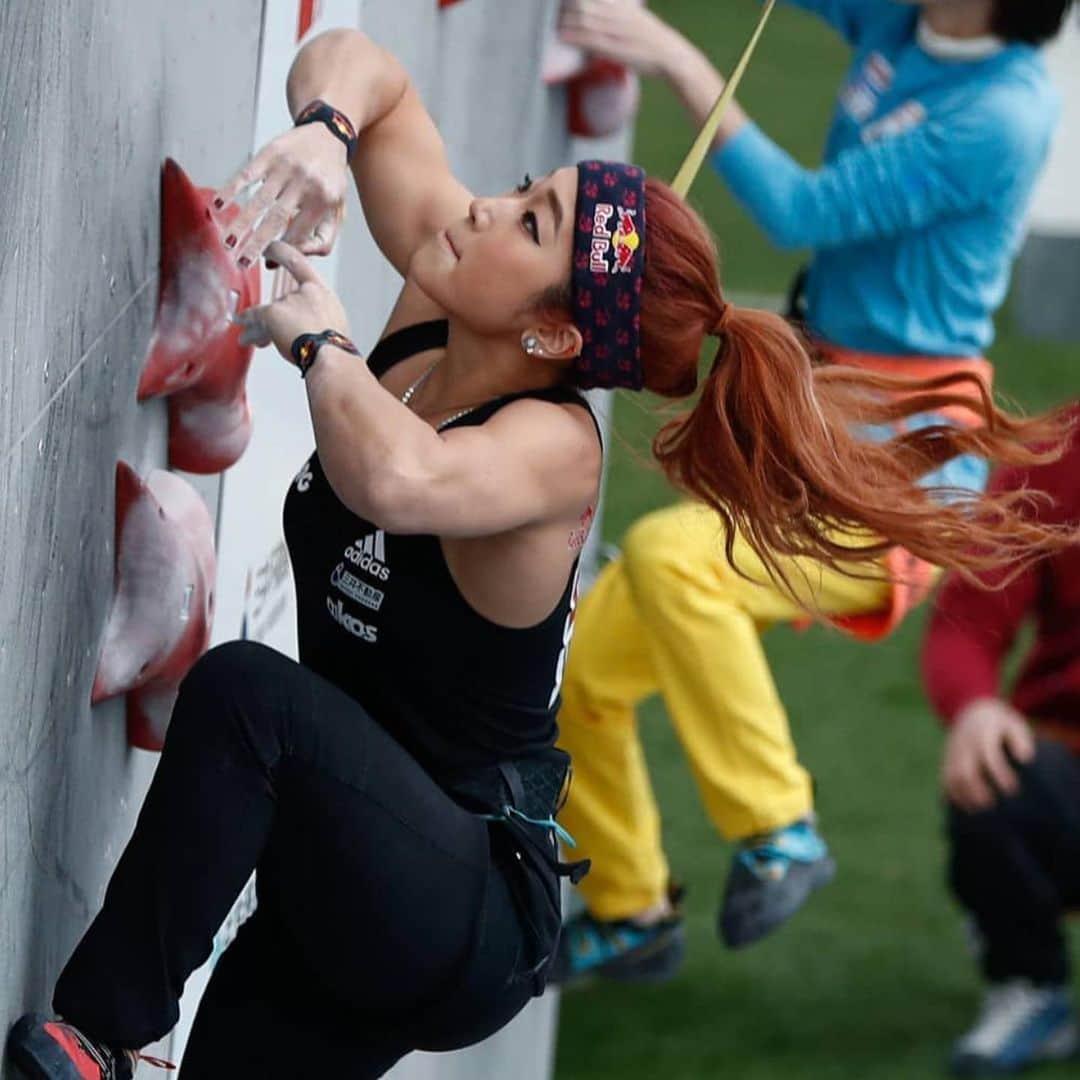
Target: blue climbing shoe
column 1019, row 1025
column 619, row 950
column 771, row 877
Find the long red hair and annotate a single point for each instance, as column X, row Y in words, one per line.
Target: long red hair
column 772, row 443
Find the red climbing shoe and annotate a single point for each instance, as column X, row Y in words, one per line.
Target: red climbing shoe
column 47, row 1049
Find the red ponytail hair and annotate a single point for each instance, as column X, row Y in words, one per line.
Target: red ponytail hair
column 772, row 443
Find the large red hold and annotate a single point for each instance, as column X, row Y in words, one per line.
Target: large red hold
column 195, row 356
column 163, row 605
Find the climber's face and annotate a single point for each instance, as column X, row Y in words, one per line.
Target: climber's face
column 490, row 268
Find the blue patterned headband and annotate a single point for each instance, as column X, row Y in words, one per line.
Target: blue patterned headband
column 609, row 261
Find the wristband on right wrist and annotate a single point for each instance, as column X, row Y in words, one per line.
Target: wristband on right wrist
column 337, row 123
column 305, row 348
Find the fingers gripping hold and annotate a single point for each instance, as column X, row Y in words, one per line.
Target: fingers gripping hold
column 294, row 262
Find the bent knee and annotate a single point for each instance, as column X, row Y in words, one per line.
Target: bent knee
column 237, row 673
column 237, row 685
column 223, row 665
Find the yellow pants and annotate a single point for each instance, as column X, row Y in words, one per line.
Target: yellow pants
column 671, row 616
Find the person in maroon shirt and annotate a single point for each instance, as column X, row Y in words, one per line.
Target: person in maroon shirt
column 1011, row 774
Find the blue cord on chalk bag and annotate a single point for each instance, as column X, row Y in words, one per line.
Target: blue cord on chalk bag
column 544, row 823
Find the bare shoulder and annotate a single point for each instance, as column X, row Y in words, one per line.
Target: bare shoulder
column 558, row 436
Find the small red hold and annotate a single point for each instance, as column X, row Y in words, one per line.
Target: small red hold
column 163, row 602
column 195, row 356
column 602, row 100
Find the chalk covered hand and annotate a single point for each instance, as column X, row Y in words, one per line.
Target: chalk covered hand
column 621, row 31
column 298, row 183
column 308, row 309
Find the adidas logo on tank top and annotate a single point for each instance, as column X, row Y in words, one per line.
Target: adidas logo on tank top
column 364, row 559
column 368, row 554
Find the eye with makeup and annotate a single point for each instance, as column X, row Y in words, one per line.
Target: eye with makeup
column 528, row 219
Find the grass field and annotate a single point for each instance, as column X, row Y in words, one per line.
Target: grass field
column 873, row 979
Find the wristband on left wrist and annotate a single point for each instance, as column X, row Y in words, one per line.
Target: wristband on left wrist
column 305, row 348
column 337, row 123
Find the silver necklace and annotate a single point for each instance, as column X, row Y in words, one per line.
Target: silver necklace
column 410, row 393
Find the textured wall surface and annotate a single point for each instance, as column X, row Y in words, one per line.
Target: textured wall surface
column 93, row 94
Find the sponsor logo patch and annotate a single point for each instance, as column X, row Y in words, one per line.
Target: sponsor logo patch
column 861, row 95
column 910, row 115
column 355, row 589
column 359, row 629
column 623, row 242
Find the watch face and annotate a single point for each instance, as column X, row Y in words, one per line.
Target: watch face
column 319, row 112
column 306, row 347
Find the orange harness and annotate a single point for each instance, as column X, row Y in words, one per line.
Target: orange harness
column 912, row 578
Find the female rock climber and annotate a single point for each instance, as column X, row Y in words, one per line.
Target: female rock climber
column 395, row 790
column 914, row 219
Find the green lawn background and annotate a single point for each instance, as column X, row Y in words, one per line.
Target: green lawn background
column 873, row 979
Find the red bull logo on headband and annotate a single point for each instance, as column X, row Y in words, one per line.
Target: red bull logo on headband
column 624, row 241
column 609, row 262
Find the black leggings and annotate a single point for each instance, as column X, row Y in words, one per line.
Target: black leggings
column 383, row 924
column 1016, row 868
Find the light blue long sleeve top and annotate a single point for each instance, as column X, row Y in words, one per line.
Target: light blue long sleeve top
column 917, row 213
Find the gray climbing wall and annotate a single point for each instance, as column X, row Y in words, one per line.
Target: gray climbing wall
column 1048, row 271
column 95, row 93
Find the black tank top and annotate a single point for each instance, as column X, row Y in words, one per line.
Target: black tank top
column 380, row 615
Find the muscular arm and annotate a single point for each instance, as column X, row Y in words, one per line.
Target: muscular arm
column 532, row 462
column 400, row 166
column 299, row 179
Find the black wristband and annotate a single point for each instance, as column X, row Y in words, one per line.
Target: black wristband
column 306, row 347
column 319, row 112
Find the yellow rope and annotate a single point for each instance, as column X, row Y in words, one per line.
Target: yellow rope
column 689, row 169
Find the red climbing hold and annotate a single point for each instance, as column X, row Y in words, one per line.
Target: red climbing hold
column 602, row 96
column 163, row 603
column 195, row 356
column 602, row 100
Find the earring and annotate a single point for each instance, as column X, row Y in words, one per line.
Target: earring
column 531, row 345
